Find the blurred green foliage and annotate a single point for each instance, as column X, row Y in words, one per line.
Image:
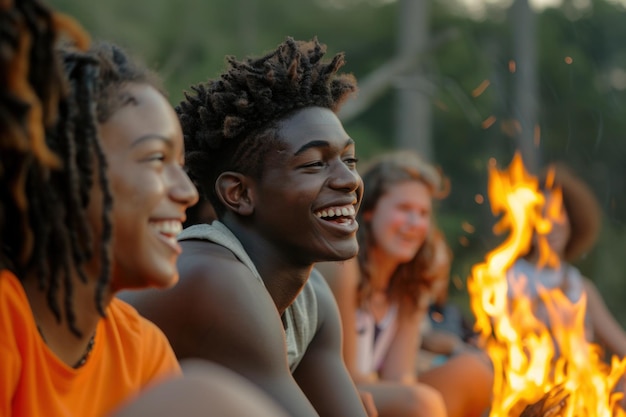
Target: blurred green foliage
column 581, row 109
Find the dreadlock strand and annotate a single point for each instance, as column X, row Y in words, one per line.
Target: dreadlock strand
column 107, row 230
column 22, row 72
column 39, row 20
column 56, row 243
column 70, row 316
column 18, row 188
column 40, row 204
column 85, row 95
column 33, row 87
column 80, row 172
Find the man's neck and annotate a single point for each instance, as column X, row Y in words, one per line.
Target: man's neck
column 283, row 278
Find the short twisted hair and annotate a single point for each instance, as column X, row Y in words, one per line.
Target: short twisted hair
column 230, row 123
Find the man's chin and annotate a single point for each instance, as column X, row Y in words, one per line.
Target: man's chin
column 343, row 254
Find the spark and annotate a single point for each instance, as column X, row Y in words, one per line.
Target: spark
column 468, row 228
column 512, row 66
column 488, row 122
column 481, row 88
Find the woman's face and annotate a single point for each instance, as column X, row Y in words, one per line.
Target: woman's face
column 143, row 145
column 401, row 219
column 559, row 234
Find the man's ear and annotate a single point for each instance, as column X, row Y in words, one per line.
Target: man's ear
column 233, row 189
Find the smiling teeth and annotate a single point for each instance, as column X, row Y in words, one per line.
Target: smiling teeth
column 336, row 212
column 167, row 227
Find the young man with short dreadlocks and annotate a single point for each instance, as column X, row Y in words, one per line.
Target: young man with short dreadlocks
column 265, row 147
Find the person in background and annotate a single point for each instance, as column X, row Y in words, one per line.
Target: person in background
column 96, row 216
column 265, row 147
column 384, row 293
column 574, row 231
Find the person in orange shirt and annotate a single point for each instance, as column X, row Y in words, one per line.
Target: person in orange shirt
column 94, row 209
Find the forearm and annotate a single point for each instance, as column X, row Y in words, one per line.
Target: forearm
column 442, row 342
column 362, row 378
column 399, row 362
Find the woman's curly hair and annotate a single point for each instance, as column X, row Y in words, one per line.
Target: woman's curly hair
column 229, row 123
column 381, row 174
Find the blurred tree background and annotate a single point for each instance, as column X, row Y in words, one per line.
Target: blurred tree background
column 462, row 81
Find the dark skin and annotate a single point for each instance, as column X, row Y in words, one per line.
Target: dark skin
column 219, row 311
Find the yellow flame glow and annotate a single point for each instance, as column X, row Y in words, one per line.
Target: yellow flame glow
column 523, row 350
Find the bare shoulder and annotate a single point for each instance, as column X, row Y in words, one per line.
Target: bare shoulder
column 218, row 310
column 328, row 314
column 208, row 272
column 213, row 280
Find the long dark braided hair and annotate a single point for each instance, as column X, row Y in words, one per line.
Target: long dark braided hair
column 230, row 123
column 33, row 95
column 50, row 192
column 31, row 88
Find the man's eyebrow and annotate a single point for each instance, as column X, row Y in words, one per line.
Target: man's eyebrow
column 319, row 144
column 152, row 136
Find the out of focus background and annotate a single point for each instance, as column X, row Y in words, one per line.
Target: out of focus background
column 461, row 81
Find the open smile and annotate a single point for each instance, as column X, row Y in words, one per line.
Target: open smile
column 339, row 218
column 167, row 231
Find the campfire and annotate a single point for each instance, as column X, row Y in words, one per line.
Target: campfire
column 529, row 359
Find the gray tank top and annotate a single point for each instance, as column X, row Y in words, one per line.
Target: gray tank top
column 299, row 319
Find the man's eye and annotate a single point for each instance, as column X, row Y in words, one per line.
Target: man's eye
column 351, row 161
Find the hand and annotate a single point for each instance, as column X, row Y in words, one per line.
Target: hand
column 550, row 405
column 368, row 403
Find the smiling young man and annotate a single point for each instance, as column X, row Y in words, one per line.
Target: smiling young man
column 265, row 147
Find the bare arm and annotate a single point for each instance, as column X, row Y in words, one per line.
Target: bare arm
column 322, row 374
column 399, row 363
column 343, row 278
column 443, row 342
column 606, row 329
column 220, row 312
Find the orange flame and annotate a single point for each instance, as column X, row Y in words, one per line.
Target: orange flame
column 528, row 358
